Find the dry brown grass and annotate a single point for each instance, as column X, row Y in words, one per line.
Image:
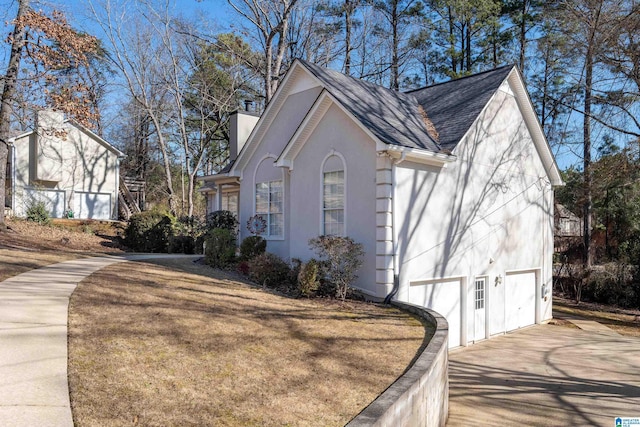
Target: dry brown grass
column 181, row 344
column 26, row 245
column 18, row 261
column 625, row 322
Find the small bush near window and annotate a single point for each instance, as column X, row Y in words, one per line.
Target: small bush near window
column 251, row 247
column 220, row 248
column 343, row 257
column 222, row 219
column 271, row 271
column 149, row 231
column 308, row 282
column 37, row 212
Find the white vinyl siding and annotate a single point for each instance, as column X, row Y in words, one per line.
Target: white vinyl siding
column 269, row 205
column 333, row 203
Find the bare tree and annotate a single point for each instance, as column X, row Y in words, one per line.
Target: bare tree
column 398, row 15
column 270, row 20
column 184, row 85
column 140, row 58
column 47, row 43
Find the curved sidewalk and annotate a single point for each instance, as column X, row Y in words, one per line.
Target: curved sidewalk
column 33, row 340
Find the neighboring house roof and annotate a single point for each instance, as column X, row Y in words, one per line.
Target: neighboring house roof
column 85, row 130
column 393, row 117
column 453, row 106
column 562, row 212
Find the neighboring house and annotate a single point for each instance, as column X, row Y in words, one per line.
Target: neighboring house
column 449, row 188
column 568, row 228
column 567, row 224
column 66, row 166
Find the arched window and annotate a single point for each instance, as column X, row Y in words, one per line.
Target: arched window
column 269, row 196
column 333, row 195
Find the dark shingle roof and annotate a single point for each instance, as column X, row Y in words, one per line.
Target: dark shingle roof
column 393, row 117
column 453, row 106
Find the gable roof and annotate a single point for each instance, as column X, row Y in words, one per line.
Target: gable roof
column 453, row 106
column 84, row 130
column 400, row 120
column 393, row 117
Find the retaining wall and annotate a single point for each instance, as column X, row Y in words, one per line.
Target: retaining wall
column 420, row 397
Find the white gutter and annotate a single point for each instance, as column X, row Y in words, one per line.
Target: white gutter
column 420, row 156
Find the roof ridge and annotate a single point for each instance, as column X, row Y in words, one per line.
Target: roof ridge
column 356, row 79
column 460, row 78
column 411, row 133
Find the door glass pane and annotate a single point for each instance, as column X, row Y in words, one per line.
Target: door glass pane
column 479, row 294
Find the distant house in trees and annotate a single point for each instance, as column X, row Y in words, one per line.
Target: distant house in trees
column 449, row 188
column 568, row 228
column 73, row 171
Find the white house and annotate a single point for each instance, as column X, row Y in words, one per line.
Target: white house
column 449, row 188
column 66, row 166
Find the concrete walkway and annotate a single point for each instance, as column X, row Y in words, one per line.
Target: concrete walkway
column 33, row 341
column 587, row 325
column 545, row 375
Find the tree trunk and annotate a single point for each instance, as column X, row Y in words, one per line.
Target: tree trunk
column 348, row 11
column 523, row 34
column 395, row 84
column 468, row 48
column 586, row 127
column 8, row 95
column 173, row 208
column 452, row 46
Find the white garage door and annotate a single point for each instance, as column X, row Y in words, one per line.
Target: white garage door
column 53, row 201
column 520, row 299
column 92, row 205
column 444, row 298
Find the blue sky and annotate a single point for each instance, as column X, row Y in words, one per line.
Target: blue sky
column 216, row 15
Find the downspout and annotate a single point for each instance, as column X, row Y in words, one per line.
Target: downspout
column 396, row 267
column 13, row 179
column 116, row 214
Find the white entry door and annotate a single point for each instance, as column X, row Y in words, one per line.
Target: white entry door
column 479, row 311
column 520, row 299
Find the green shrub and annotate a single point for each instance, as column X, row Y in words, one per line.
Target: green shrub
column 182, row 244
column 251, row 247
column 222, row 219
column 37, row 212
column 343, row 257
column 613, row 284
column 188, row 235
column 270, row 270
column 308, row 282
column 220, row 249
column 149, row 231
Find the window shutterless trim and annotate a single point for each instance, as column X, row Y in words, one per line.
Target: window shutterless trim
column 333, row 152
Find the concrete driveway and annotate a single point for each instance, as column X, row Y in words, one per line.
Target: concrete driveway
column 545, row 375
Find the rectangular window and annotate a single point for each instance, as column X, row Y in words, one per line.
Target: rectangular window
column 480, row 294
column 333, row 203
column 269, row 205
column 230, row 202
